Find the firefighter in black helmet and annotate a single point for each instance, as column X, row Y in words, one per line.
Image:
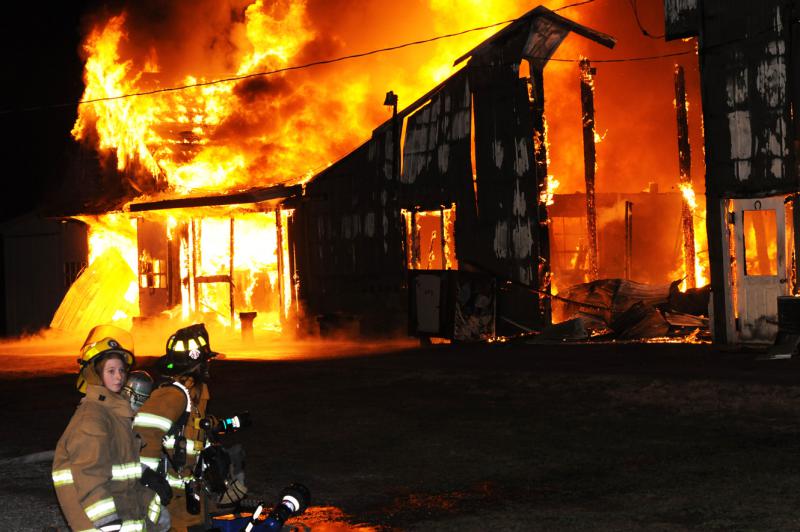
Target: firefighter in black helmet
column 169, row 423
column 137, row 388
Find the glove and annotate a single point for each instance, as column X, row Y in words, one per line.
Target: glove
column 157, row 483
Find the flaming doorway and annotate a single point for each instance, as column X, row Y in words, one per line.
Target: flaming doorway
column 210, row 259
column 216, row 265
column 430, row 239
column 758, row 246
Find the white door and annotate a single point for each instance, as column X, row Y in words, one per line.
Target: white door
column 759, row 227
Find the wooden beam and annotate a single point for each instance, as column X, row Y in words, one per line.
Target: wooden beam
column 685, row 165
column 589, row 162
column 255, row 195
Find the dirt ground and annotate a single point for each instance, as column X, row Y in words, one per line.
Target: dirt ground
column 498, row 436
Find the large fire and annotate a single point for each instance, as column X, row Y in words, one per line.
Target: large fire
column 261, row 130
column 700, row 237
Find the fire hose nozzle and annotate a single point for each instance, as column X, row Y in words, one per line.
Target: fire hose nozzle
column 225, row 425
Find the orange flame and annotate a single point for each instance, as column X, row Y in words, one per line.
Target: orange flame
column 688, row 195
column 549, row 192
column 288, row 126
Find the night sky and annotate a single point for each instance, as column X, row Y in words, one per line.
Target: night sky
column 41, row 42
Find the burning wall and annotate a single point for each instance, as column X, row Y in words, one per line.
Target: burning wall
column 655, row 253
column 285, row 127
column 268, row 129
column 752, row 174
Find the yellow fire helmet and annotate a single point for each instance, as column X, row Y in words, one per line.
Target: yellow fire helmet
column 102, row 340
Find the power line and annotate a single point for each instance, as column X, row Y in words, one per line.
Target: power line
column 576, row 4
column 334, row 60
column 639, row 22
column 624, row 59
column 271, row 72
column 295, row 67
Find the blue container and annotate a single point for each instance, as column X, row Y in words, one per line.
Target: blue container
column 235, row 523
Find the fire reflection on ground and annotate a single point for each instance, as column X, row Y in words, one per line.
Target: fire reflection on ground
column 54, row 353
column 325, row 519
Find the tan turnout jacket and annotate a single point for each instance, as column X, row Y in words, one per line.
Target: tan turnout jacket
column 163, row 408
column 96, row 467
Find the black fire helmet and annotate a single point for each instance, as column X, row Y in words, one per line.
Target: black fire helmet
column 187, row 352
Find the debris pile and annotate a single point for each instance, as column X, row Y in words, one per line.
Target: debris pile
column 619, row 309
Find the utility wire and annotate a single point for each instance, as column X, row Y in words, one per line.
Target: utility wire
column 335, row 60
column 295, row 67
column 639, row 22
column 622, row 59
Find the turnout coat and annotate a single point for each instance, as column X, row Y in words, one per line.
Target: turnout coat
column 159, row 422
column 96, row 468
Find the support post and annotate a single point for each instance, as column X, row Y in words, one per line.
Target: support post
column 442, row 230
column 195, row 229
column 230, row 272
column 281, row 265
column 290, row 235
column 685, row 165
column 415, row 247
column 628, row 238
column 719, row 259
column 536, row 102
column 589, row 161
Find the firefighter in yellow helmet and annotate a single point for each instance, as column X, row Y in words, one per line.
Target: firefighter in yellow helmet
column 96, row 470
column 169, row 423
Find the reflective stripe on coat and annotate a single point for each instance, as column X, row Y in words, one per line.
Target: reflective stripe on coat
column 163, row 408
column 96, row 467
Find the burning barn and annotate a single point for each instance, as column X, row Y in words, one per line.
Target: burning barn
column 449, row 221
column 455, row 181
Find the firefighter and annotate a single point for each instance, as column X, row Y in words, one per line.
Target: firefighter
column 169, row 423
column 137, row 388
column 96, row 470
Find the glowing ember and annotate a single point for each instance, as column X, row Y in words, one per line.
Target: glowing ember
column 552, row 186
column 688, row 195
column 598, row 138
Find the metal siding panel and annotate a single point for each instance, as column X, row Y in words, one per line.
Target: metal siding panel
column 746, row 101
column 681, row 18
column 507, row 238
column 343, row 269
column 436, row 152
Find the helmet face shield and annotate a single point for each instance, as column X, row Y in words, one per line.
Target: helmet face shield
column 137, row 388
